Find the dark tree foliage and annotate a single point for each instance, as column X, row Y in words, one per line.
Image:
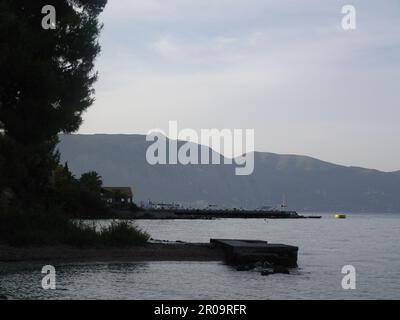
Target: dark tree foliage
column 91, row 182
column 78, row 197
column 46, row 83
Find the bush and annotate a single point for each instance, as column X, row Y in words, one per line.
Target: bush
column 123, row 233
column 39, row 227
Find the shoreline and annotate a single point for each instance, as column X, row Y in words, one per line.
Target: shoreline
column 170, row 251
column 243, row 254
column 206, row 214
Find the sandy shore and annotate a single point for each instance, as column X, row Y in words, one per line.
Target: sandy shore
column 147, row 252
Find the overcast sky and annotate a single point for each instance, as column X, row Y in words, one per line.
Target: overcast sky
column 285, row 68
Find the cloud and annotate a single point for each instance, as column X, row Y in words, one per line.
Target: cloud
column 165, row 46
column 290, row 72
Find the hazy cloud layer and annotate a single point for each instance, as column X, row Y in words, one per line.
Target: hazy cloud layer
column 285, row 68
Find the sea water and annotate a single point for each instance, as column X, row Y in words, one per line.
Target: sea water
column 369, row 242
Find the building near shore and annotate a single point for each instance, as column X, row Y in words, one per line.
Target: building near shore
column 117, row 196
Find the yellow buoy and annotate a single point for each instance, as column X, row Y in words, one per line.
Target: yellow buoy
column 340, row 216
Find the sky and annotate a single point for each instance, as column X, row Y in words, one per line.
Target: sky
column 285, row 68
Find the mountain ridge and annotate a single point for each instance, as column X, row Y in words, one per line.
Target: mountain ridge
column 308, row 184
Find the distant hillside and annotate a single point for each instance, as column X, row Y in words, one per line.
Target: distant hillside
column 306, row 183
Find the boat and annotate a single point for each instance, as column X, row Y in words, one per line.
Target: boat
column 340, row 216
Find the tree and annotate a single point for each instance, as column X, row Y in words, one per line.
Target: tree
column 63, row 179
column 46, row 83
column 91, row 182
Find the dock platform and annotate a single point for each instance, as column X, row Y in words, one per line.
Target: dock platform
column 245, row 252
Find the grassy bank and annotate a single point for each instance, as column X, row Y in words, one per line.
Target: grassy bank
column 36, row 227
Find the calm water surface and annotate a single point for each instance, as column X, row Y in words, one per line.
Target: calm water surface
column 368, row 242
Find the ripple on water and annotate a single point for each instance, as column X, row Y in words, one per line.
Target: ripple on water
column 369, row 242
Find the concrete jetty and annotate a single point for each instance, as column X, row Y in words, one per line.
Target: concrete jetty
column 250, row 252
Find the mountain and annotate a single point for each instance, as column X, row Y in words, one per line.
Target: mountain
column 306, row 183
